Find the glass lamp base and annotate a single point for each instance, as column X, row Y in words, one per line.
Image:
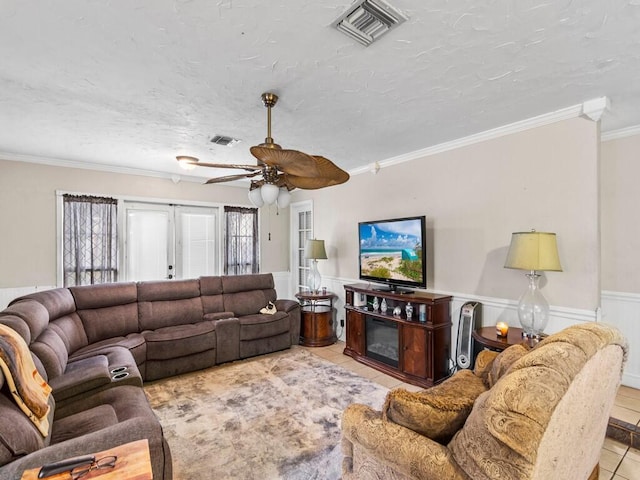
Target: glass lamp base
column 533, row 309
column 314, row 279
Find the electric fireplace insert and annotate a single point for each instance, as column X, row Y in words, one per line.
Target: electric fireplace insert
column 382, row 340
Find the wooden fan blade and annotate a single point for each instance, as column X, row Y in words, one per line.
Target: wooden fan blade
column 230, row 178
column 330, row 170
column 288, row 161
column 249, row 168
column 329, row 175
column 309, row 183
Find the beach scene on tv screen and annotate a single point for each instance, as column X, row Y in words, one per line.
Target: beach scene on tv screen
column 391, row 250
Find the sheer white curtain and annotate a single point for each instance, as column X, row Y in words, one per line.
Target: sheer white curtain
column 90, row 243
column 241, row 241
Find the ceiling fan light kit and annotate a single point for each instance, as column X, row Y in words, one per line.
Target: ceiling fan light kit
column 186, row 162
column 282, row 170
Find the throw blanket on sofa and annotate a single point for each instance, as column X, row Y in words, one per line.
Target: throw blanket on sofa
column 29, row 390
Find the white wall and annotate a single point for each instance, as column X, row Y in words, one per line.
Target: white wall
column 474, row 198
column 28, row 215
column 620, row 198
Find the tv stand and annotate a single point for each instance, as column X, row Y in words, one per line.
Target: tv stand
column 413, row 351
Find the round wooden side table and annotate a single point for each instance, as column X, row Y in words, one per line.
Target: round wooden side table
column 486, row 337
column 317, row 319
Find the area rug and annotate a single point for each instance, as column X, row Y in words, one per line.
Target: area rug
column 271, row 417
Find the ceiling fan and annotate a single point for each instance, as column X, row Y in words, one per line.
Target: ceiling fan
column 281, row 170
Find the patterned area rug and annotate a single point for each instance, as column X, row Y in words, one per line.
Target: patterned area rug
column 271, row 417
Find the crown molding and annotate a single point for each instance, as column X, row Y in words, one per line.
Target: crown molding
column 567, row 113
column 101, row 167
column 621, row 133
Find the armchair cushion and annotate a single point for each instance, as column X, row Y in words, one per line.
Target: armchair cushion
column 502, row 363
column 438, row 412
column 375, row 449
column 483, row 363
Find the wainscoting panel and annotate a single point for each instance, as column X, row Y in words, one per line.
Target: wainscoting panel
column 623, row 311
column 620, row 310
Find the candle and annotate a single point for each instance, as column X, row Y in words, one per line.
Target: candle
column 502, row 329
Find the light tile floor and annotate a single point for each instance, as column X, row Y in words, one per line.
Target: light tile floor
column 617, row 460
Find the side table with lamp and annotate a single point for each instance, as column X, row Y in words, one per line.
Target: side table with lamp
column 535, row 252
column 317, row 318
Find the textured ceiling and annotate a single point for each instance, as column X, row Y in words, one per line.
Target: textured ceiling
column 135, row 83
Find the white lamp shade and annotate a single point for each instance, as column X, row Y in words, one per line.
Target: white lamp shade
column 284, row 197
column 269, row 193
column 255, row 197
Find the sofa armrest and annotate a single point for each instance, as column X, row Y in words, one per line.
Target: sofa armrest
column 81, row 376
column 396, row 447
column 121, row 433
column 292, row 308
column 285, row 305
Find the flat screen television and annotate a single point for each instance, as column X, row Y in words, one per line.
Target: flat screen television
column 393, row 252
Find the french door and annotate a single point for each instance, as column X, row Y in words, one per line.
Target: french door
column 169, row 241
column 301, row 228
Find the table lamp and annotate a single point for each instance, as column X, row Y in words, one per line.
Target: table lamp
column 314, row 249
column 533, row 251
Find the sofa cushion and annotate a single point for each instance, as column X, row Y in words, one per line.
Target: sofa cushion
column 483, row 363
column 18, row 324
column 254, row 327
column 82, row 423
column 52, row 352
column 71, row 331
column 247, row 294
column 180, row 340
column 107, row 310
column 218, row 315
column 164, row 290
column 167, row 303
column 57, row 301
column 108, row 322
column 159, row 314
column 92, row 297
column 18, row 435
column 438, row 412
column 33, row 313
column 211, row 294
column 134, row 342
column 249, row 302
column 243, row 283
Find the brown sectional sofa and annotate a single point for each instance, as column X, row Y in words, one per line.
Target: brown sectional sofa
column 95, row 345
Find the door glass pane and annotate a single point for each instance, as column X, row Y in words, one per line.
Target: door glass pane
column 147, row 243
column 197, row 244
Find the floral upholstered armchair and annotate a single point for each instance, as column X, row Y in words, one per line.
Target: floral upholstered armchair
column 537, row 413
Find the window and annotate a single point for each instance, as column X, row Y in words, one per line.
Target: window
column 90, row 242
column 241, row 241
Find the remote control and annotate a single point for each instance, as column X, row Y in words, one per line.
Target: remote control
column 65, row 465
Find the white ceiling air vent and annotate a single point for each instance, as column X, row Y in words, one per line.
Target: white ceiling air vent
column 367, row 20
column 224, row 140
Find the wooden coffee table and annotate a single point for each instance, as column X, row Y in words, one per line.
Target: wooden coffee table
column 134, row 463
